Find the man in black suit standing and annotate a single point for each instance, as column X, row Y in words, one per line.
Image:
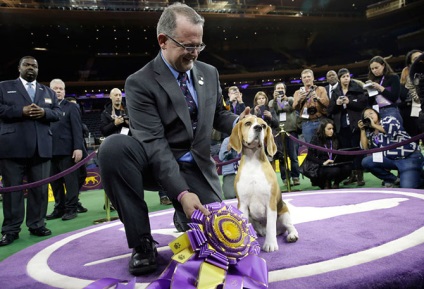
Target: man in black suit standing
column 26, row 110
column 173, row 103
column 68, row 147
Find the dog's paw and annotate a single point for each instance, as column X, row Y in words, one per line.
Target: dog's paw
column 292, row 237
column 270, row 246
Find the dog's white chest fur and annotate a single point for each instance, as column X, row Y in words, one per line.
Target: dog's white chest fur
column 254, row 187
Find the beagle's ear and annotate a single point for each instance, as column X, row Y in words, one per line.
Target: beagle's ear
column 236, row 137
column 271, row 147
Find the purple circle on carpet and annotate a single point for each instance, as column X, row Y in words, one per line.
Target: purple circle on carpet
column 367, row 238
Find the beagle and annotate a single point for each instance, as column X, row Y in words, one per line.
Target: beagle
column 257, row 189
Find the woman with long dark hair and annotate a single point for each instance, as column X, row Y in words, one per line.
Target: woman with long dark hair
column 385, row 85
column 330, row 174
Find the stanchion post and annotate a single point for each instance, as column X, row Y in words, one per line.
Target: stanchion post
column 107, row 209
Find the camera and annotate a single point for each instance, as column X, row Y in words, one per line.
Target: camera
column 281, row 92
column 366, row 122
column 125, row 117
column 312, row 110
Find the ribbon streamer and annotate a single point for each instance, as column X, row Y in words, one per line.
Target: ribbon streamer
column 219, row 251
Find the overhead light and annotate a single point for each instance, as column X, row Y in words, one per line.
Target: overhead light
column 40, row 48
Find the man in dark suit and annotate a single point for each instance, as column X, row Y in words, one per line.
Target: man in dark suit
column 68, row 147
column 333, row 82
column 171, row 122
column 26, row 110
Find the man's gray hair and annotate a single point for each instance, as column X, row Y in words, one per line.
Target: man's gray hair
column 168, row 20
column 57, row 80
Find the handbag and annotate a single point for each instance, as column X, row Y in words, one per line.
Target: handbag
column 309, row 168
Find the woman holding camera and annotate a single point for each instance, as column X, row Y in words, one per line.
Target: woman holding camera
column 287, row 116
column 262, row 110
column 377, row 132
column 410, row 105
column 346, row 105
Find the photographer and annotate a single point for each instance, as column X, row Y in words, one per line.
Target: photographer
column 416, row 74
column 346, row 105
column 407, row 159
column 262, row 110
column 114, row 117
column 287, row 116
column 311, row 102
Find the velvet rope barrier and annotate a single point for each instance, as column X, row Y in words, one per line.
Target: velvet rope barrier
column 49, row 179
column 359, row 151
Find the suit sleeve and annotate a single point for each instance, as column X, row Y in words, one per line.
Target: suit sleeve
column 52, row 111
column 76, row 126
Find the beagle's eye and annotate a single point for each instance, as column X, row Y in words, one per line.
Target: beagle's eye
column 248, row 123
column 263, row 126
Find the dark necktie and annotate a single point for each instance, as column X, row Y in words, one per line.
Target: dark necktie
column 31, row 91
column 192, row 108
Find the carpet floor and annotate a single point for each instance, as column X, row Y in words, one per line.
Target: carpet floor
column 349, row 238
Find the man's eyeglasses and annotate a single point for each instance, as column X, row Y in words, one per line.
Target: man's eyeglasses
column 190, row 49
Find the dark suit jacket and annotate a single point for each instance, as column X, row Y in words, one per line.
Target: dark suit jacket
column 67, row 132
column 21, row 137
column 160, row 121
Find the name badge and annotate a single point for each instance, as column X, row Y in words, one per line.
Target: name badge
column 283, row 116
column 125, row 130
column 377, row 157
column 48, row 100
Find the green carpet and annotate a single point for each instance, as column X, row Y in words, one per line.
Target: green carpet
column 94, row 201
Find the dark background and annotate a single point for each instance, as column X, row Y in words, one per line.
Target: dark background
column 94, row 45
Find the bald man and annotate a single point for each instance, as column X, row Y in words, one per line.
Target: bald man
column 114, row 117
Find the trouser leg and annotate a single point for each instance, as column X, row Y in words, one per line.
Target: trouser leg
column 121, row 162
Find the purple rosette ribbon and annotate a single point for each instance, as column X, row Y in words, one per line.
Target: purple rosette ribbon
column 218, row 251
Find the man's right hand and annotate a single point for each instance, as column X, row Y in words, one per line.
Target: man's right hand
column 190, row 202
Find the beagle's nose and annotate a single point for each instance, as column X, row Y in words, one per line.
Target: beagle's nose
column 257, row 128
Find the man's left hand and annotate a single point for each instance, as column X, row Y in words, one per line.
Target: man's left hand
column 245, row 113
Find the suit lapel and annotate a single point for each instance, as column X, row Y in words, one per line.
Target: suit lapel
column 200, row 87
column 20, row 87
column 170, row 85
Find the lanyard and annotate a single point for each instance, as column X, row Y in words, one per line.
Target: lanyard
column 330, row 155
column 281, row 104
column 381, row 82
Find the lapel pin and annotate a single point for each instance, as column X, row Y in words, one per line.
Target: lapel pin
column 201, row 80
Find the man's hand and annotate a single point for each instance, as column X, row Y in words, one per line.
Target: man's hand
column 190, row 203
column 119, row 120
column 77, row 155
column 245, row 113
column 33, row 111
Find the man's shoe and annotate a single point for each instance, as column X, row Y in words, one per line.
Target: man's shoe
column 8, row 238
column 165, row 201
column 40, row 232
column 56, row 214
column 80, row 208
column 143, row 258
column 296, row 182
column 69, row 215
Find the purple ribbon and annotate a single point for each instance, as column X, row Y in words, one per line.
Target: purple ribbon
column 237, row 256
